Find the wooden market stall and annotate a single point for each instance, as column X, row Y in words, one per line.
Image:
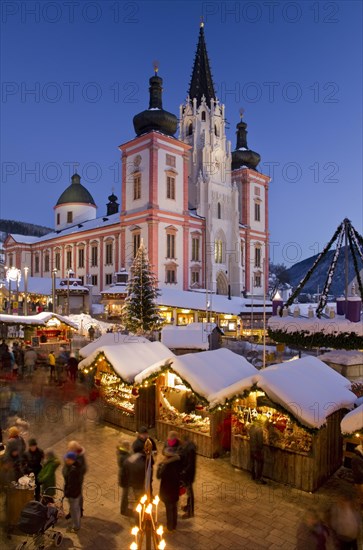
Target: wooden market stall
column 111, row 339
column 352, row 430
column 113, row 369
column 301, row 403
column 183, row 390
column 191, row 338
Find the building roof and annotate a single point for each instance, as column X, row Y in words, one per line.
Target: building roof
column 201, row 83
column 192, row 336
column 343, row 357
column 353, row 421
column 76, row 193
column 111, row 339
column 40, row 319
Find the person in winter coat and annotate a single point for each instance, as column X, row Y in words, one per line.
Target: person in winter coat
column 133, row 476
column 169, row 474
column 256, row 451
column 30, row 357
column 72, row 367
column 345, row 522
column 312, row 534
column 188, row 455
column 12, row 463
column 51, row 363
column 73, row 479
column 75, row 447
column 33, row 460
column 46, row 475
column 17, row 439
column 122, row 453
column 357, row 470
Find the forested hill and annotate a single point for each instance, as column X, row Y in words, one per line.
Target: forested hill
column 318, row 278
column 23, row 228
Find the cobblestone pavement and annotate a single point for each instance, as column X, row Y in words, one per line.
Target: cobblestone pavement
column 232, row 512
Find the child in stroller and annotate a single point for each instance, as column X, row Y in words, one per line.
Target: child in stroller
column 35, row 520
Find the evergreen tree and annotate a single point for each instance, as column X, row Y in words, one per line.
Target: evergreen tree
column 141, row 309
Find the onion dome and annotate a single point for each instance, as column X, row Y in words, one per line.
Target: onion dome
column 76, row 193
column 243, row 156
column 112, row 205
column 155, row 118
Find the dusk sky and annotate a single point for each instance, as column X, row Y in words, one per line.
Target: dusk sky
column 75, row 73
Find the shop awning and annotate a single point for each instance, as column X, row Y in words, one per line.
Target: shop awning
column 208, row 372
column 353, row 421
column 38, row 320
column 128, row 360
column 307, row 388
column 111, row 339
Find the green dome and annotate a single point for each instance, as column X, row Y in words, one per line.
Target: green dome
column 76, row 192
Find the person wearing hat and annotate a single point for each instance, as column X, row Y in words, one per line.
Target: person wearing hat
column 168, row 472
column 73, row 479
column 46, row 475
column 33, row 460
column 77, row 448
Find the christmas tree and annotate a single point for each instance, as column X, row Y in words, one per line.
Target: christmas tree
column 141, row 309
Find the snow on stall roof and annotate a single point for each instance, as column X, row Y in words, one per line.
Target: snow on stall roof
column 343, row 357
column 111, row 339
column 337, row 325
column 192, row 336
column 207, row 372
column 40, row 319
column 128, row 360
column 353, row 421
column 307, row 388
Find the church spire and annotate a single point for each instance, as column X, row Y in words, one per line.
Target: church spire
column 201, row 83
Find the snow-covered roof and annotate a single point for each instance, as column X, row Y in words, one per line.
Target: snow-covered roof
column 128, row 360
column 343, row 357
column 26, row 239
column 353, row 421
column 111, row 339
column 118, row 288
column 337, row 325
column 208, row 372
column 40, row 319
column 43, row 285
column 192, row 336
column 307, row 388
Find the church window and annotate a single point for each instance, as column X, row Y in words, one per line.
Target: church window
column 258, row 280
column 137, row 187
column 170, row 274
column 108, row 278
column 68, row 259
column 203, row 115
column 69, row 217
column 195, row 278
column 216, row 131
column 57, row 260
column 81, row 257
column 36, row 264
column 136, row 239
column 190, row 129
column 195, row 249
column 170, row 187
column 94, row 280
column 219, row 211
column 257, row 256
column 218, row 251
column 257, row 212
column 109, row 259
column 58, row 218
column 46, row 263
column 170, row 160
column 94, row 256
column 170, row 245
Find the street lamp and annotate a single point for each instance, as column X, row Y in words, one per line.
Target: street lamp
column 54, row 273
column 69, row 273
column 25, row 309
column 12, row 274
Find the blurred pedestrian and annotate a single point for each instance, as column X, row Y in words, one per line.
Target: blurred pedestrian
column 91, row 333
column 30, row 358
column 188, row 455
column 168, row 472
column 312, row 534
column 346, row 522
column 357, row 470
column 256, row 450
column 47, row 474
column 133, row 476
column 73, row 479
column 51, row 363
column 72, row 367
column 122, row 453
column 33, row 463
column 75, row 447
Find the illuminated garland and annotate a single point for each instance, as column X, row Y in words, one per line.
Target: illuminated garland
column 324, row 296
column 303, row 282
column 354, row 246
column 304, row 339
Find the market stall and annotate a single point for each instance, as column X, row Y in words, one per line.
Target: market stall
column 301, row 403
column 113, row 370
column 111, row 339
column 183, row 395
column 349, row 363
column 193, row 336
column 352, row 430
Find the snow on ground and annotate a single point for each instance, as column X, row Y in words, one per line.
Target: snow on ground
column 209, row 372
column 111, row 339
column 353, row 421
column 128, row 360
column 308, row 388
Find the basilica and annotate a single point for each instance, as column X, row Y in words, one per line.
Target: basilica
column 200, row 207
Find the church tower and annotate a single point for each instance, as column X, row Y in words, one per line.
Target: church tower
column 211, row 192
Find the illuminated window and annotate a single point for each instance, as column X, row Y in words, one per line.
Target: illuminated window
column 218, row 251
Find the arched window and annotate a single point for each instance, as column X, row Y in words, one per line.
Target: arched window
column 203, row 115
column 216, row 131
column 218, row 251
column 190, row 129
column 219, row 211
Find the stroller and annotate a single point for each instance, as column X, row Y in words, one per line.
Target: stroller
column 37, row 518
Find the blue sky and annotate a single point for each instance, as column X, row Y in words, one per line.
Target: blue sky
column 295, row 67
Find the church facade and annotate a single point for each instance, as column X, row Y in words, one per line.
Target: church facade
column 200, row 207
